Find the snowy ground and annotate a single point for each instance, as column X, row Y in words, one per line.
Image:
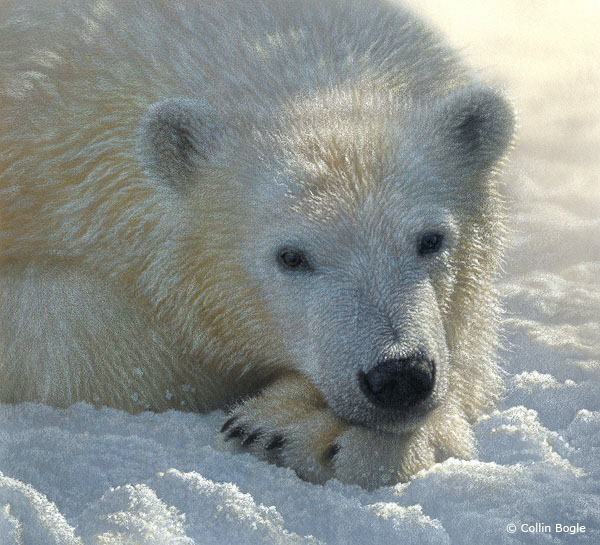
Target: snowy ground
column 83, row 476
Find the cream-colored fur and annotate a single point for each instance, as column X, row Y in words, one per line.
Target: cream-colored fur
column 155, row 158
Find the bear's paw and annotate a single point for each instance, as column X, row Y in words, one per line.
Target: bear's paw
column 285, row 426
column 290, row 424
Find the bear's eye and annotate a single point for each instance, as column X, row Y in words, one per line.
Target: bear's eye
column 290, row 258
column 430, row 243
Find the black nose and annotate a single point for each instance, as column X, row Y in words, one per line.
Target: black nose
column 399, row 383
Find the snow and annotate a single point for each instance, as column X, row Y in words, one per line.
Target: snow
column 100, row 476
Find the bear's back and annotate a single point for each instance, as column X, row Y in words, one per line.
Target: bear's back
column 248, row 52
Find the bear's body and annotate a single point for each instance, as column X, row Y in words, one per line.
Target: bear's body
column 219, row 200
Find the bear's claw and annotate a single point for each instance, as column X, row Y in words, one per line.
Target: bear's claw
column 251, row 438
column 228, row 423
column 330, row 453
column 276, row 442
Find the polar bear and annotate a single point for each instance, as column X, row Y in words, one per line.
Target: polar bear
column 285, row 209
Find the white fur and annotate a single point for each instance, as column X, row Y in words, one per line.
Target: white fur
column 154, row 158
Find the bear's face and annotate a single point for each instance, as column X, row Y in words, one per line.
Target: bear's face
column 349, row 217
column 358, row 300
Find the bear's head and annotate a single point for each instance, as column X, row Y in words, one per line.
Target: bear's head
column 368, row 229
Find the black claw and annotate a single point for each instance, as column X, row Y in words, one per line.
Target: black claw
column 277, row 442
column 228, row 423
column 251, row 438
column 331, row 452
column 235, row 432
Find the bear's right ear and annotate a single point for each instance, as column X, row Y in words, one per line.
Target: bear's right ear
column 176, row 139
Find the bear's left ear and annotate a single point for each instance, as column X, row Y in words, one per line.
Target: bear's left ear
column 476, row 125
column 176, row 139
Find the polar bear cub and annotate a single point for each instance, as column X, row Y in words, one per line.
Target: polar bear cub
column 286, row 209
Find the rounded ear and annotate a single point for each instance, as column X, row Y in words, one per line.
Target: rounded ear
column 176, row 138
column 476, row 125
